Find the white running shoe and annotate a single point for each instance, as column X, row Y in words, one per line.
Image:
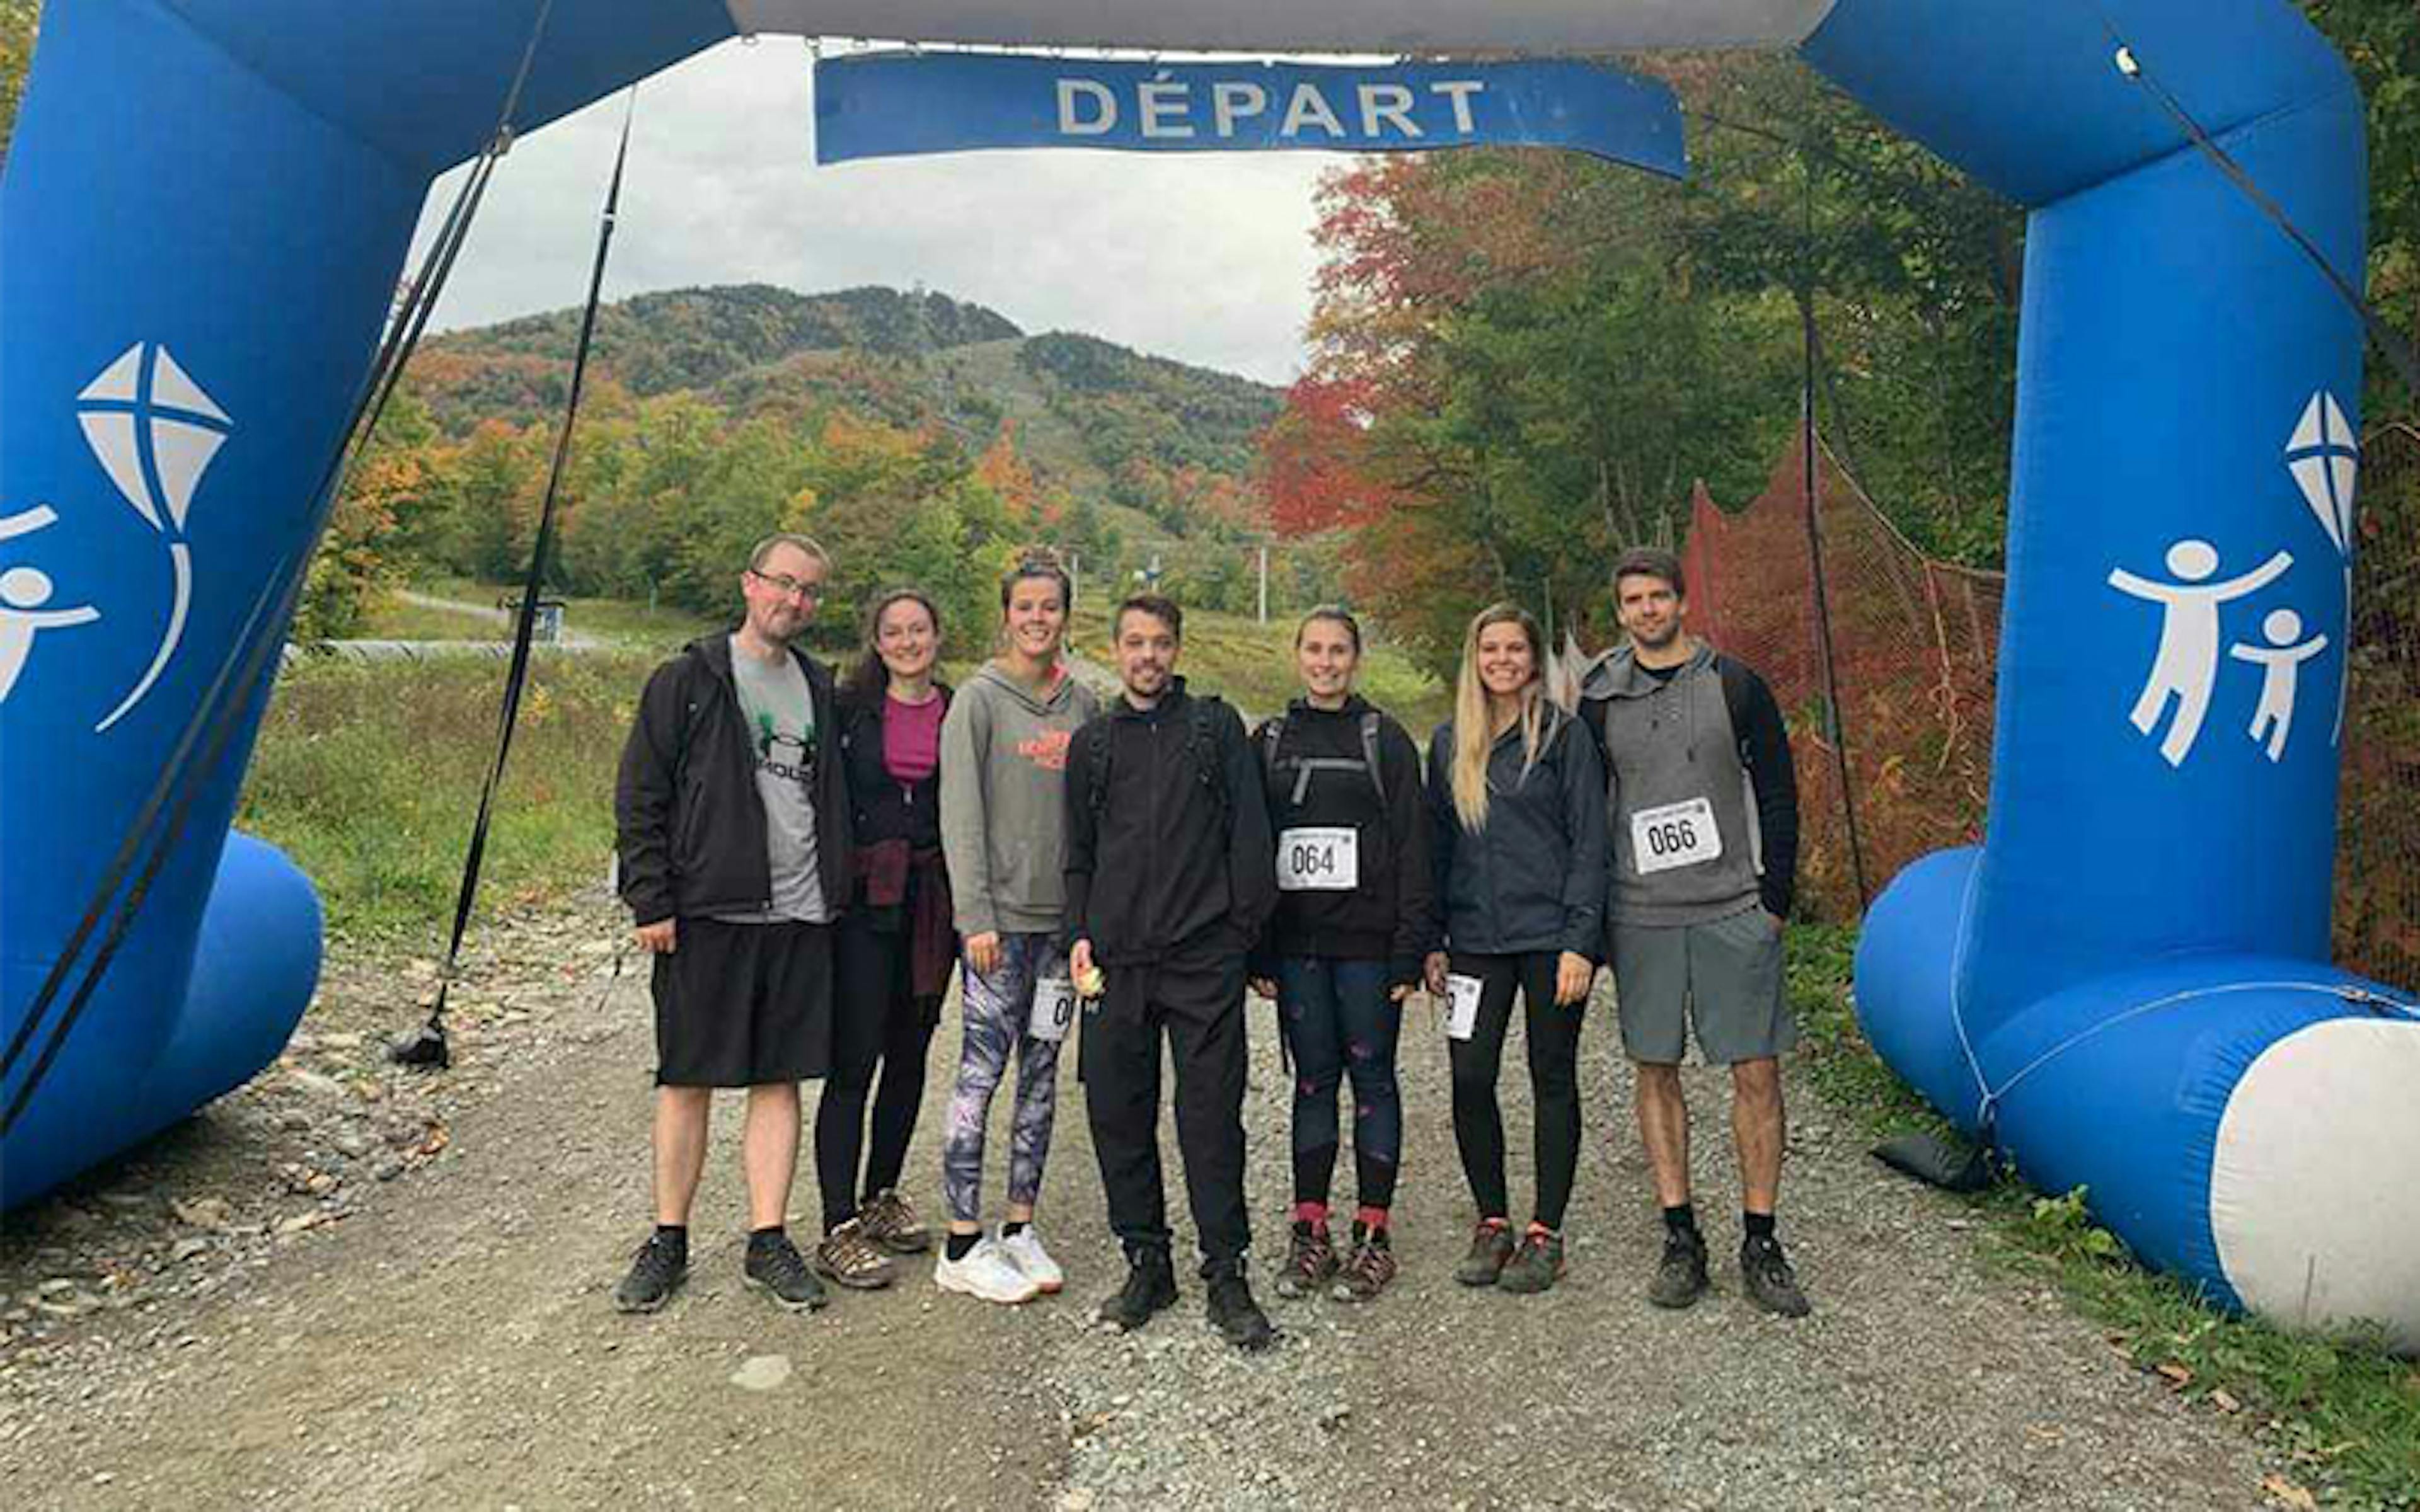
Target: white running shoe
column 986, row 1273
column 1024, row 1251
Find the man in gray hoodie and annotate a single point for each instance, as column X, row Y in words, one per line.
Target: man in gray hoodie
column 1703, row 805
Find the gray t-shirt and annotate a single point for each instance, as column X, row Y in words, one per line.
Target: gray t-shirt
column 781, row 714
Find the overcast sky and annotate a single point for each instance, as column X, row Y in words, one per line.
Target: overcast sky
column 1204, row 258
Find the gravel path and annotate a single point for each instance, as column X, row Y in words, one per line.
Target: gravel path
column 350, row 1287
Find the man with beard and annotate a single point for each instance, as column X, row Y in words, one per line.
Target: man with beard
column 1170, row 877
column 1704, row 813
column 733, row 840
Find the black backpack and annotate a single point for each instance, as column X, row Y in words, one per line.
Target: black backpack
column 1201, row 752
column 1273, row 732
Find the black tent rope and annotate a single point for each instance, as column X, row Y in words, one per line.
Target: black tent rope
column 427, row 1047
column 220, row 708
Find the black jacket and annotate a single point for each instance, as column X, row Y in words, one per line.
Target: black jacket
column 1179, row 843
column 689, row 825
column 882, row 808
column 1388, row 916
column 1534, row 877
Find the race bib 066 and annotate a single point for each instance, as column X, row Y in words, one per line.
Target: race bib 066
column 1674, row 835
column 1054, row 1009
column 1319, row 860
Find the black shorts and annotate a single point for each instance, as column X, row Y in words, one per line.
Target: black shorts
column 742, row 1005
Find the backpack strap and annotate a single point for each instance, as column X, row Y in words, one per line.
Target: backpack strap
column 1201, row 740
column 1096, row 768
column 1272, row 737
column 1370, row 755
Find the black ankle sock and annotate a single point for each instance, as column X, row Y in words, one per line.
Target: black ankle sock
column 757, row 1238
column 962, row 1245
column 1681, row 1219
column 1013, row 1228
column 676, row 1235
column 1757, row 1225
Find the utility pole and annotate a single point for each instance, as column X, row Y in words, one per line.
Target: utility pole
column 1264, row 582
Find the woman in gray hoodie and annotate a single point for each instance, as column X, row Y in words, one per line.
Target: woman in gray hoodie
column 1003, row 786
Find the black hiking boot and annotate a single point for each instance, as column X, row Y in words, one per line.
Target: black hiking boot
column 658, row 1270
column 1771, row 1284
column 776, row 1267
column 1681, row 1278
column 1232, row 1310
column 1491, row 1245
column 1149, row 1290
column 1309, row 1262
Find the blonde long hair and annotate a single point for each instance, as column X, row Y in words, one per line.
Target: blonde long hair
column 1474, row 734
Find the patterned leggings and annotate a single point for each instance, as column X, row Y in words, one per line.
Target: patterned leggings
column 998, row 1006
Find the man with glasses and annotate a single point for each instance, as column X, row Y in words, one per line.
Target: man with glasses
column 734, row 842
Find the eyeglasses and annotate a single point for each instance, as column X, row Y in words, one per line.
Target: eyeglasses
column 787, row 586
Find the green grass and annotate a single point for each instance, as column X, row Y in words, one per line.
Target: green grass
column 2343, row 1414
column 370, row 777
column 619, row 622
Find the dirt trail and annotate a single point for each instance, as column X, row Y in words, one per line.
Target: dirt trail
column 442, row 1337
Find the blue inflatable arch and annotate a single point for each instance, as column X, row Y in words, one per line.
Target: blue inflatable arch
column 207, row 207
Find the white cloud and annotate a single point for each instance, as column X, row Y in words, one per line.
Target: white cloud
column 1203, row 258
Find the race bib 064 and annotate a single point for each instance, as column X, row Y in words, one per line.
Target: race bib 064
column 1674, row 835
column 1319, row 860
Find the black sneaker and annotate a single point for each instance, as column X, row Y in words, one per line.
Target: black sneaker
column 1491, row 1245
column 656, row 1273
column 1149, row 1290
column 1309, row 1262
column 1235, row 1314
column 1771, row 1284
column 776, row 1267
column 1681, row 1278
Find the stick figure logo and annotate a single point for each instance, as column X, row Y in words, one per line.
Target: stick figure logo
column 155, row 433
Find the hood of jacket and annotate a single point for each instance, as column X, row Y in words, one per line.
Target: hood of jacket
column 1616, row 675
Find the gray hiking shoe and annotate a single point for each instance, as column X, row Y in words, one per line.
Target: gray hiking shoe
column 1771, row 1284
column 776, row 1267
column 657, row 1272
column 1538, row 1265
column 1491, row 1245
column 1681, row 1278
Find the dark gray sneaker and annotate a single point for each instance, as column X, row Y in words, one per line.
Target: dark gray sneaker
column 1150, row 1288
column 1681, row 1278
column 776, row 1267
column 1491, row 1245
column 657, row 1271
column 1771, row 1284
column 1235, row 1314
column 1538, row 1265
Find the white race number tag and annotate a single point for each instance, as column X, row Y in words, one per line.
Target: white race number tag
column 1319, row 860
column 1461, row 1006
column 1674, row 835
column 1054, row 1009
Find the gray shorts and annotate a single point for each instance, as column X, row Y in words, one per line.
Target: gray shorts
column 1720, row 979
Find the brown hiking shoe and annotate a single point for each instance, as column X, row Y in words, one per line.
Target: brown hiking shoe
column 1309, row 1262
column 1491, row 1245
column 1538, row 1265
column 1371, row 1267
column 848, row 1258
column 890, row 1224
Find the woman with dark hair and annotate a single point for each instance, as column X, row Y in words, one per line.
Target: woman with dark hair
column 894, row 945
column 1345, row 945
column 1516, row 799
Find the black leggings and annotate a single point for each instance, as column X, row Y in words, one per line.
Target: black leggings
column 1553, row 1036
column 876, row 1020
column 1340, row 1022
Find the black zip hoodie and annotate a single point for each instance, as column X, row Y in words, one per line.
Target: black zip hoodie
column 689, row 825
column 1534, row 878
column 1387, row 917
column 1165, row 861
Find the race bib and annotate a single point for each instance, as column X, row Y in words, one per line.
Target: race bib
column 1461, row 1006
column 1674, row 835
column 1054, row 1009
column 1319, row 860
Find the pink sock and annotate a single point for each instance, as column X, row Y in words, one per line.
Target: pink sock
column 1370, row 1219
column 1313, row 1213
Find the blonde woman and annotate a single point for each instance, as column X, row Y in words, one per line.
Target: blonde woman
column 1516, row 803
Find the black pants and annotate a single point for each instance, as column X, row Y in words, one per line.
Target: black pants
column 1196, row 994
column 876, row 1020
column 1553, row 1035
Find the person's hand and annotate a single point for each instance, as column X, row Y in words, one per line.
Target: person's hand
column 1087, row 976
column 1265, row 987
column 1573, row 975
column 1434, row 970
column 1779, row 923
column 1399, row 992
column 983, row 952
column 658, row 938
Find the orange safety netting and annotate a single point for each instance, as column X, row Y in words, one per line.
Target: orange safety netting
column 1914, row 650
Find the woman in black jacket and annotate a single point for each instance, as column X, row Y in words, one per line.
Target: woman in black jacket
column 896, row 945
column 1345, row 944
column 1516, row 799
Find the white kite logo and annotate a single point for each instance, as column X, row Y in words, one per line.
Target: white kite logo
column 2325, row 459
column 155, row 433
